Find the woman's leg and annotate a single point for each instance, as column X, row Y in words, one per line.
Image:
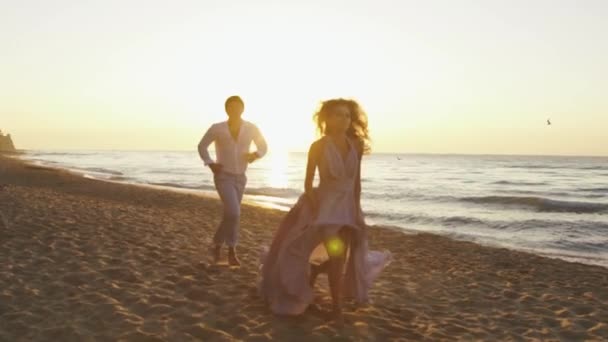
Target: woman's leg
column 315, row 270
column 337, row 250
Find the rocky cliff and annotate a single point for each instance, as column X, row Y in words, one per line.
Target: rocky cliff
column 6, row 143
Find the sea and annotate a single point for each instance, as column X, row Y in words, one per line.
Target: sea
column 556, row 206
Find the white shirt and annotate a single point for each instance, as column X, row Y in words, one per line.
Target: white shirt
column 231, row 153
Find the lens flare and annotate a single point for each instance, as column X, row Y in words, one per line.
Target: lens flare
column 335, row 247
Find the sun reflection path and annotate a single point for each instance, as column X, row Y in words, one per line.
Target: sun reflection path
column 277, row 177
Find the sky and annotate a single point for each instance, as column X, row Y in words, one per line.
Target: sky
column 453, row 76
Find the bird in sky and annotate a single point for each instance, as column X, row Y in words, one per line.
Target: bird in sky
column 548, row 122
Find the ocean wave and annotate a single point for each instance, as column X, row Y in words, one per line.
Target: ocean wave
column 562, row 166
column 273, row 192
column 532, row 166
column 396, row 179
column 262, row 191
column 592, row 168
column 506, row 182
column 392, row 196
column 577, row 227
column 389, row 216
column 451, row 220
column 600, row 245
column 101, row 170
column 43, row 161
column 599, row 189
column 59, row 154
column 183, row 186
column 540, row 204
column 581, row 227
column 421, row 218
column 120, row 178
column 172, row 185
column 545, row 194
column 38, row 153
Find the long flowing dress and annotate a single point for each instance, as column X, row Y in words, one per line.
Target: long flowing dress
column 298, row 241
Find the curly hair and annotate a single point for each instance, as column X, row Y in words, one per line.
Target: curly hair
column 357, row 131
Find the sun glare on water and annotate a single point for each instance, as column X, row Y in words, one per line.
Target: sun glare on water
column 284, row 134
column 278, row 159
column 278, row 175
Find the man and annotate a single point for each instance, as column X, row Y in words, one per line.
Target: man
column 232, row 140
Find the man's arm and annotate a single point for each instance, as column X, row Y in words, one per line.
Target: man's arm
column 203, row 146
column 260, row 143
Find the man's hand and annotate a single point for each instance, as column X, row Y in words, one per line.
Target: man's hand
column 251, row 157
column 215, row 168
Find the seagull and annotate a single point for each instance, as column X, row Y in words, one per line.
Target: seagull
column 548, row 122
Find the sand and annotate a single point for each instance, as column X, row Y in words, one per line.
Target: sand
column 87, row 260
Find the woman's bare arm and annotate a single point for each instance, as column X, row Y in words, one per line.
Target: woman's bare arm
column 311, row 166
column 358, row 179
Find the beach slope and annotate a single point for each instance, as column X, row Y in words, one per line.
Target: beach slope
column 82, row 259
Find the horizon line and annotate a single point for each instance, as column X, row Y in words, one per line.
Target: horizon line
column 384, row 152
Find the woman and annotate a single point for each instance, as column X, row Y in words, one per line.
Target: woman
column 326, row 226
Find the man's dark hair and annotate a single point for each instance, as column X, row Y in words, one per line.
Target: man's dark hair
column 234, row 98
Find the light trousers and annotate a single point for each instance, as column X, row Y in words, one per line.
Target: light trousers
column 230, row 187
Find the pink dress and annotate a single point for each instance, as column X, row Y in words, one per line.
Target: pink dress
column 285, row 268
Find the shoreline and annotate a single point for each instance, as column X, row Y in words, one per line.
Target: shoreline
column 258, row 200
column 183, row 190
column 89, row 258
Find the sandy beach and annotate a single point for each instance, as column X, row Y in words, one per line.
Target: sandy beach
column 87, row 260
